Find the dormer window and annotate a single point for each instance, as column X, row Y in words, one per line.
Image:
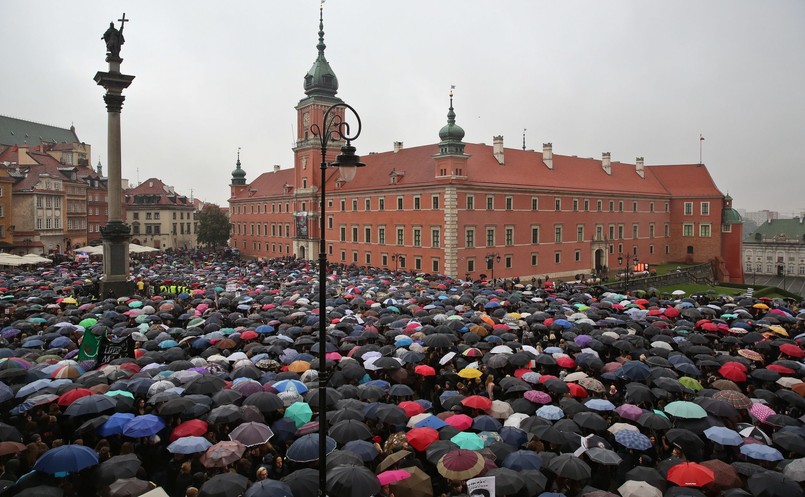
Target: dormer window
column 395, row 176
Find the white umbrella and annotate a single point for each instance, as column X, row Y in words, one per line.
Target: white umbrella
column 678, row 292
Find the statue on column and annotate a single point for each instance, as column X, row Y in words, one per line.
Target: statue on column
column 114, row 38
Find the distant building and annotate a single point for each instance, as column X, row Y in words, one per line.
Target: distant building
column 160, row 217
column 452, row 207
column 776, row 247
column 758, row 217
column 60, row 200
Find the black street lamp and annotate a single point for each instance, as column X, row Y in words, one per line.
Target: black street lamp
column 332, row 127
column 396, row 258
column 491, row 259
column 630, row 259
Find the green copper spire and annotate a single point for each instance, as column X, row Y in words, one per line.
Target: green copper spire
column 321, row 80
column 451, row 134
column 238, row 174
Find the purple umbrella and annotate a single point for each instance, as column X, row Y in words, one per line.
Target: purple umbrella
column 629, row 411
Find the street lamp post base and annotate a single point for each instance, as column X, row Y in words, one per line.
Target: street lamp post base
column 117, row 289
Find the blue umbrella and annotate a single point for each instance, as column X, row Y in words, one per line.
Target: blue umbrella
column 66, row 459
column 761, row 452
column 273, row 488
column 114, row 425
column 33, row 387
column 143, row 426
column 633, row 440
column 634, row 371
column 5, row 392
column 550, row 412
column 366, row 450
column 431, row 422
column 724, row 436
column 600, row 405
column 166, row 344
column 521, row 460
column 485, row 422
column 284, row 385
column 306, row 448
column 189, row 445
column 513, row 436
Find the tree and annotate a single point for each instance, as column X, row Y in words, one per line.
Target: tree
column 213, row 226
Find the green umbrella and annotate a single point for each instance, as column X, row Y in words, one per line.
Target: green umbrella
column 687, row 410
column 468, row 441
column 691, row 383
column 88, row 323
column 300, row 413
column 122, row 393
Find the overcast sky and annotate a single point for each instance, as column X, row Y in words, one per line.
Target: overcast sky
column 630, row 77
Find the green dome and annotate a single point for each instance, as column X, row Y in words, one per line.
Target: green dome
column 451, row 131
column 238, row 174
column 731, row 216
column 320, row 80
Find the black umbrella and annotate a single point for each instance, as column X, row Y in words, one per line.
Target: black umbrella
column 773, row 484
column 654, row 421
column 591, row 421
column 228, row 413
column 391, row 414
column 648, row 475
column 341, row 457
column 9, row 434
column 269, row 488
column 117, row 467
column 266, row 402
column 91, row 404
column 344, row 431
column 351, row 481
column 570, row 467
column 175, row 407
column 204, row 384
column 224, row 485
column 303, row 482
column 312, row 397
column 437, row 449
column 507, row 481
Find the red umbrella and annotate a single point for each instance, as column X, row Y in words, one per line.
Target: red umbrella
column 248, row 335
column 690, row 474
column 460, row 464
column 477, row 402
column 71, row 396
column 190, row 428
column 424, row 370
column 459, row 421
column 734, row 371
column 421, row 438
column 566, row 362
column 725, row 475
column 577, row 391
column 671, row 312
column 792, row 350
column 412, row 408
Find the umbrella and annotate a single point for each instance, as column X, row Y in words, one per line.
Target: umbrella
column 269, row 488
column 603, row 456
column 306, row 448
column 115, row 424
column 690, row 474
column 761, row 452
column 392, row 476
column 117, row 467
column 143, row 426
column 251, row 434
column 299, row 412
column 725, row 475
column 349, row 429
column 66, row 459
column 421, row 438
column 633, row 440
column 303, row 481
column 686, row 410
column 363, row 448
column 224, row 485
column 351, row 481
column 507, row 481
column 223, row 454
column 467, row 440
column 570, row 467
column 634, row 488
column 128, row 487
column 418, row 485
column 393, row 458
column 189, row 445
column 724, row 436
column 773, row 484
column 477, row 402
column 91, row 404
column 521, row 460
column 460, row 464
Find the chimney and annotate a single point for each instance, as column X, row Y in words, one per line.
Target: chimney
column 638, row 164
column 497, row 148
column 606, row 163
column 398, row 146
column 276, row 168
column 547, row 154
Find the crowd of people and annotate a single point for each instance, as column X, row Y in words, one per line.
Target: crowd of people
column 206, row 382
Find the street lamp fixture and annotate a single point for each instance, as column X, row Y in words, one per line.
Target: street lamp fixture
column 396, row 258
column 333, row 127
column 630, row 259
column 491, row 259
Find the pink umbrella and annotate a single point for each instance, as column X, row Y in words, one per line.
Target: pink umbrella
column 629, row 411
column 393, row 476
column 537, row 397
column 761, row 412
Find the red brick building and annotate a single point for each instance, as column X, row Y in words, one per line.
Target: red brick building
column 448, row 207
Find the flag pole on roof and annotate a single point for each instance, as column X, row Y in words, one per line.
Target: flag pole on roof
column 701, row 139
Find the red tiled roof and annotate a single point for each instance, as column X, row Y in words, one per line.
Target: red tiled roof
column 687, row 180
column 154, row 186
column 267, row 184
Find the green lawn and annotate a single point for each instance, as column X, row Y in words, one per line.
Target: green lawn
column 667, row 268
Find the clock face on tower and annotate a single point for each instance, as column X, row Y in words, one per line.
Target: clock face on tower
column 306, row 119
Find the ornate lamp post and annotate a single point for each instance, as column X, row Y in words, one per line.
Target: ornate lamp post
column 491, row 259
column 396, row 258
column 332, row 127
column 630, row 259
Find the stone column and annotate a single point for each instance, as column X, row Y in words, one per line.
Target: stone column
column 116, row 233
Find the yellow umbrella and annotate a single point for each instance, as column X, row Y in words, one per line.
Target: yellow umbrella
column 470, row 373
column 299, row 366
column 776, row 328
column 760, row 305
column 69, row 300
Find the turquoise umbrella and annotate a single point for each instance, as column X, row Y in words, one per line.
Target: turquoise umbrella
column 299, row 412
column 468, row 441
column 687, row 410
